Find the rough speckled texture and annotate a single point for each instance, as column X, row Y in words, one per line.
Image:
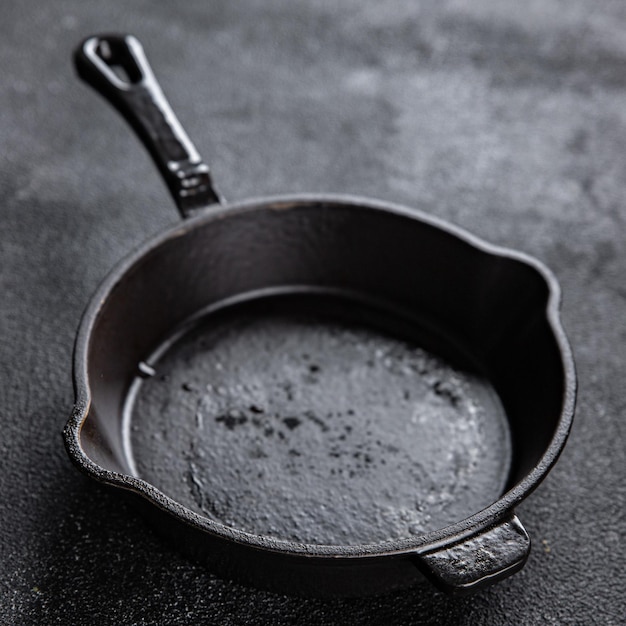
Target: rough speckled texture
column 278, row 421
column 507, row 118
column 458, row 565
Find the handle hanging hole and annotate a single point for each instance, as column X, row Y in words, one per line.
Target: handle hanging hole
column 123, row 66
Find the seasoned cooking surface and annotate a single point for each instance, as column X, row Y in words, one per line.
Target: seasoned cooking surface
column 279, row 421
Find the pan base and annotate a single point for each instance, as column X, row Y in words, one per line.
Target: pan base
column 311, row 419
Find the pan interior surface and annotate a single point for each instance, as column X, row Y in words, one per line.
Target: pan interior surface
column 318, row 420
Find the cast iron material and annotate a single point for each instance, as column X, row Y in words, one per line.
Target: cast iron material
column 310, row 420
column 400, row 278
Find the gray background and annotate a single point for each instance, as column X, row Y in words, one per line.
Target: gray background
column 506, row 118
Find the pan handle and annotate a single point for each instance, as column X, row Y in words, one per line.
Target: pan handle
column 480, row 560
column 117, row 68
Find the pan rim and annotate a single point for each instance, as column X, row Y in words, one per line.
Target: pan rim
column 420, row 544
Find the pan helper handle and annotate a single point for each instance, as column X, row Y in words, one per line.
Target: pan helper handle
column 117, row 68
column 479, row 560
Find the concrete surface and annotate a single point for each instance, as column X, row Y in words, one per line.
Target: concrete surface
column 506, row 118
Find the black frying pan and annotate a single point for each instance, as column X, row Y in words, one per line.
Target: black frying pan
column 316, row 394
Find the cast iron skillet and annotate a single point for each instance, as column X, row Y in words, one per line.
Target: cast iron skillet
column 242, row 297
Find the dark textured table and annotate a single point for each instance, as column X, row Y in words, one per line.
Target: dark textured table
column 508, row 119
